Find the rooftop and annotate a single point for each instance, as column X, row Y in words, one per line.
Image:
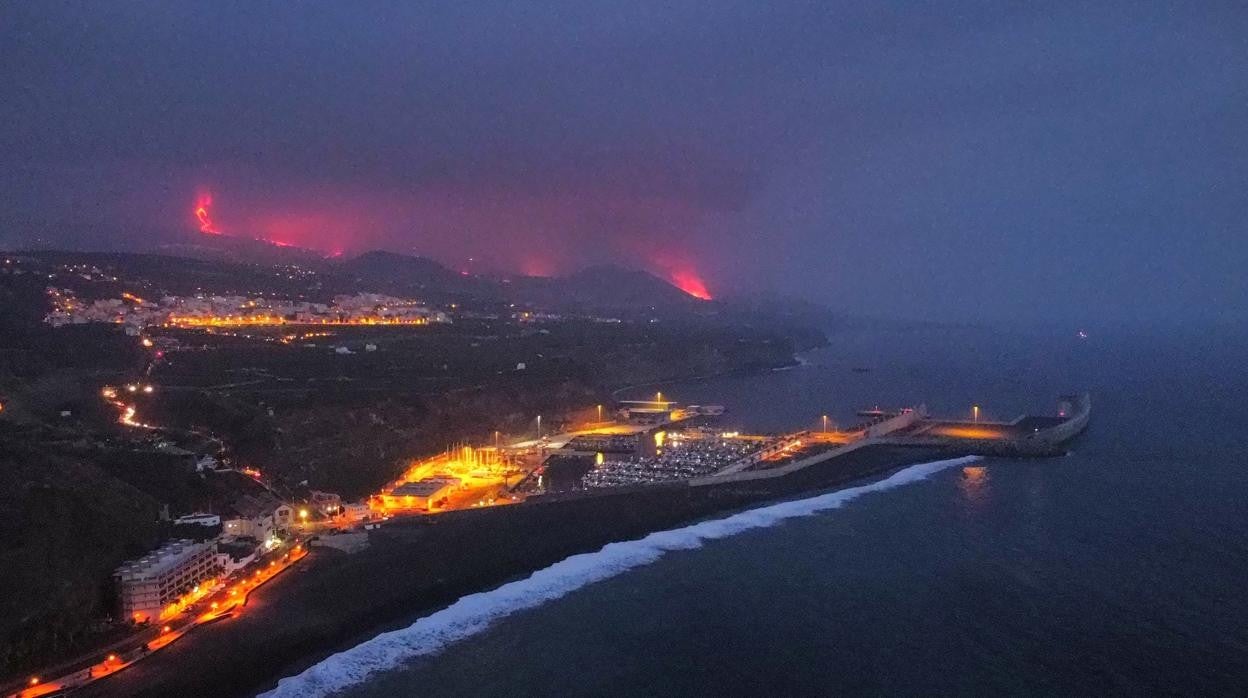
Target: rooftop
column 423, row 488
column 161, row 560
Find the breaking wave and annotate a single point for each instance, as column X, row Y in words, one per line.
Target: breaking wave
column 476, row 612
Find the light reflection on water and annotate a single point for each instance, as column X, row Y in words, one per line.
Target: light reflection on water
column 974, row 485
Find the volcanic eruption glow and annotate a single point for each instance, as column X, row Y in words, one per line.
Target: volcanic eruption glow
column 688, row 281
column 201, row 212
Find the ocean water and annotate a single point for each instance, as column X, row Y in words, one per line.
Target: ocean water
column 1117, row 569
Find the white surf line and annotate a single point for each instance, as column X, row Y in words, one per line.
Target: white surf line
column 474, row 613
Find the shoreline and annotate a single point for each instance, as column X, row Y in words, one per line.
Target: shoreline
column 412, row 569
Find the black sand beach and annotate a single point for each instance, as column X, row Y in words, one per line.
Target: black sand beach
column 333, row 600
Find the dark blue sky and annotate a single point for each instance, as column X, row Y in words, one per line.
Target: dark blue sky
column 1077, row 162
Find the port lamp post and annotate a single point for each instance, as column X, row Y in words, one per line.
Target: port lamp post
column 825, row 423
column 975, row 412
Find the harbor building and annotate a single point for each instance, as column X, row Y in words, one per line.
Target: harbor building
column 149, row 585
column 421, row 495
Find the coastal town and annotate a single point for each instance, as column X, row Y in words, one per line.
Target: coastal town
column 136, row 314
column 276, row 430
column 206, row 577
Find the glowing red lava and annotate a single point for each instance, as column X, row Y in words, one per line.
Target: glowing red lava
column 688, row 281
column 201, row 212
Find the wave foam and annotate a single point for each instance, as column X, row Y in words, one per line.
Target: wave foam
column 476, row 612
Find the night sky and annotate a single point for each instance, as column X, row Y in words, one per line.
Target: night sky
column 1083, row 163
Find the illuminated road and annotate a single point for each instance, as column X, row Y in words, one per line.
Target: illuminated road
column 228, row 601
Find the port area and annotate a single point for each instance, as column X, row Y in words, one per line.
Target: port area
column 505, row 472
column 1028, row 435
column 701, row 456
column 663, row 444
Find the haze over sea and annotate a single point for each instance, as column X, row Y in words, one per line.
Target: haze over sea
column 1118, row 568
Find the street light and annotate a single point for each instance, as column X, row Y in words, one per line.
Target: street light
column 600, row 413
column 825, row 423
column 539, row 426
column 975, row 412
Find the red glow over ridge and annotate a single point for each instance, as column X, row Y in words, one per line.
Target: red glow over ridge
column 688, row 281
column 536, row 266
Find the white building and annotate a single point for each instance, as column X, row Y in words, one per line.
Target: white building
column 149, row 585
column 258, row 518
column 198, row 519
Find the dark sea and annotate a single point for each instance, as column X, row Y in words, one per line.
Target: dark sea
column 1118, row 569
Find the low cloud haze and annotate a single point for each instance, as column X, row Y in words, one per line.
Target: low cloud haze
column 1079, row 163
